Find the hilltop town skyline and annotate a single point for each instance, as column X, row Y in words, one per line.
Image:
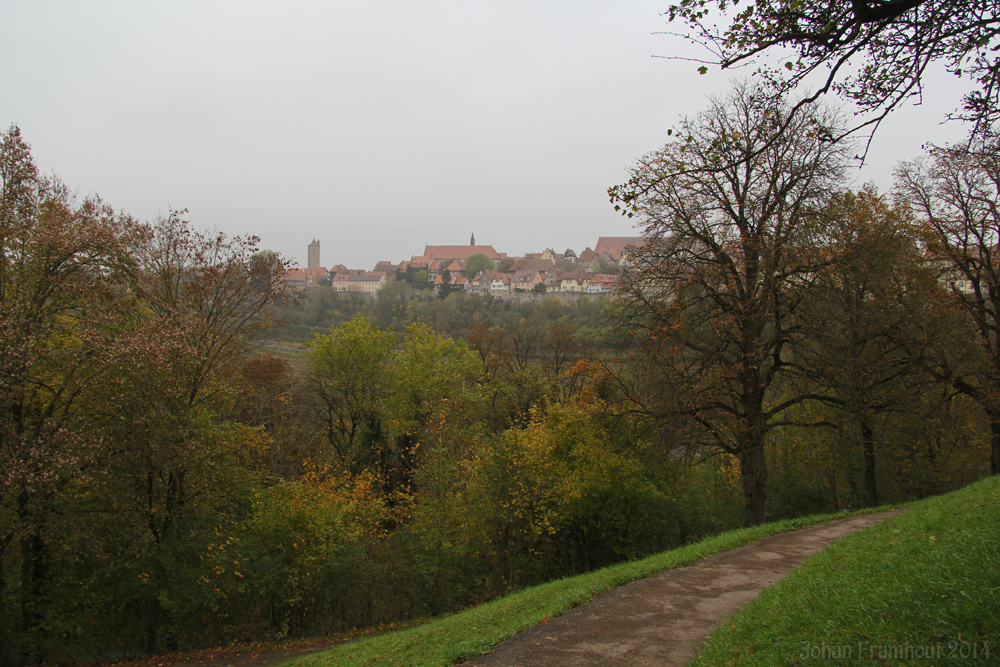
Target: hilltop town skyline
column 378, row 128
column 479, row 269
column 302, row 259
column 313, row 254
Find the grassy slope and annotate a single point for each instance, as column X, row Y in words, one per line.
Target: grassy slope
column 477, row 630
column 922, row 588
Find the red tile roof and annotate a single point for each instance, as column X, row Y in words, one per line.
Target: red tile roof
column 532, row 265
column 613, row 245
column 458, row 252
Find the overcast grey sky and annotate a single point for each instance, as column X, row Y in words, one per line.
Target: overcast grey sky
column 375, row 127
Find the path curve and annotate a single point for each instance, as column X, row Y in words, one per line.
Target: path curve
column 662, row 620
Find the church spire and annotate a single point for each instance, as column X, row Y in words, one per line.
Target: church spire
column 472, row 241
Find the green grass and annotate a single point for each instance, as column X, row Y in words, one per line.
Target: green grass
column 922, row 588
column 296, row 354
column 477, row 630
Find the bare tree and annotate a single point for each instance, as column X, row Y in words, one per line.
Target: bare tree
column 956, row 192
column 211, row 290
column 729, row 209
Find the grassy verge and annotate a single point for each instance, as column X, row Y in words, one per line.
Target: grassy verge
column 296, row 354
column 922, row 588
column 474, row 631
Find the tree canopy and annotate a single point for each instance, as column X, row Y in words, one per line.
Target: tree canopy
column 477, row 262
column 874, row 53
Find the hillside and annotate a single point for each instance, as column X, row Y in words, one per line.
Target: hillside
column 922, row 588
column 926, row 578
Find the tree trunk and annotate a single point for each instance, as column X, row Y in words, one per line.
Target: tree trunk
column 868, row 446
column 4, row 650
column 753, row 470
column 33, row 569
column 995, row 445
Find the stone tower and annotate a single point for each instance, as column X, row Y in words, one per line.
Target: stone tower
column 313, row 261
column 472, row 241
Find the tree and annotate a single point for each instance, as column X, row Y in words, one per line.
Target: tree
column 211, row 290
column 116, row 440
column 268, row 395
column 874, row 53
column 476, row 263
column 180, row 460
column 433, row 376
column 729, row 214
column 509, row 382
column 375, row 404
column 392, row 305
column 64, row 299
column 865, row 321
column 349, row 380
column 568, row 491
column 446, row 287
column 956, row 193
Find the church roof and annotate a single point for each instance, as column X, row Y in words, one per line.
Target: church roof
column 458, row 252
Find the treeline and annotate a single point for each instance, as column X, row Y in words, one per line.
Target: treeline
column 317, row 309
column 770, row 303
column 122, row 468
column 167, row 485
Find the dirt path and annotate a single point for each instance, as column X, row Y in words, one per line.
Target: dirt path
column 662, row 620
